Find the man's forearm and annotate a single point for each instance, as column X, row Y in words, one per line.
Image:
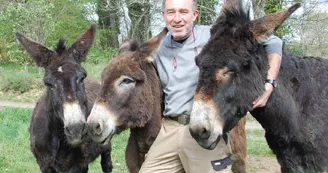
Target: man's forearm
column 274, row 60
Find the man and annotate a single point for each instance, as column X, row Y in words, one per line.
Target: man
column 174, row 150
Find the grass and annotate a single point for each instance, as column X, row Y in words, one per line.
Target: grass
column 15, row 154
column 256, row 144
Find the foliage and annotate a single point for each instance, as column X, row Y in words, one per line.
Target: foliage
column 207, row 13
column 44, row 21
column 295, row 48
column 139, row 13
column 24, row 17
column 273, row 6
column 101, row 55
column 18, row 82
column 109, row 22
column 313, row 34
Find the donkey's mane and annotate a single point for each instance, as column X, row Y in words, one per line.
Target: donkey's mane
column 133, row 45
column 230, row 17
column 61, row 47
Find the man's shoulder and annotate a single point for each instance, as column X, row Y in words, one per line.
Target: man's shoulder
column 203, row 28
column 203, row 32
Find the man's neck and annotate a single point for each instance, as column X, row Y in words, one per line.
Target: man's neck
column 181, row 40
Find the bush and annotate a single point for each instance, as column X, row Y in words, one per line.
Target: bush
column 101, row 55
column 18, row 82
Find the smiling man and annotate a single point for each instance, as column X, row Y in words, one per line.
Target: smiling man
column 174, row 149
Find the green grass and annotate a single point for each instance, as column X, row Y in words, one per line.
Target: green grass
column 256, row 144
column 15, row 154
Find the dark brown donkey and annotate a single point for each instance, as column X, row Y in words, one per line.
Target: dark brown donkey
column 58, row 130
column 131, row 97
column 233, row 68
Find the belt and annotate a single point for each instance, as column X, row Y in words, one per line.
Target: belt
column 181, row 119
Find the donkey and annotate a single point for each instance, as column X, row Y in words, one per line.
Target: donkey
column 58, row 130
column 130, row 97
column 233, row 68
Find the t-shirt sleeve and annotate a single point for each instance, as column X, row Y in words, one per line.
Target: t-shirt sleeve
column 273, row 45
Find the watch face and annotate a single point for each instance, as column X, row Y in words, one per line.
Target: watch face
column 272, row 82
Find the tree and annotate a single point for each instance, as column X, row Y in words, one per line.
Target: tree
column 207, row 14
column 139, row 13
column 45, row 21
column 313, row 31
column 258, row 8
column 109, row 22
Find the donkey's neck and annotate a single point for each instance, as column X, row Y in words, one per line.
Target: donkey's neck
column 284, row 132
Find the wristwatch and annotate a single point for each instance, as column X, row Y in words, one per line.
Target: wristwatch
column 272, row 82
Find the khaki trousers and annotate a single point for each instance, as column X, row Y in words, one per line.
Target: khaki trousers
column 175, row 151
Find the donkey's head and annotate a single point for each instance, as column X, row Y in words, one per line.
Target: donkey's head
column 126, row 98
column 233, row 67
column 64, row 75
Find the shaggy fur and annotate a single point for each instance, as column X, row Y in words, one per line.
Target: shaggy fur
column 64, row 80
column 131, row 91
column 295, row 117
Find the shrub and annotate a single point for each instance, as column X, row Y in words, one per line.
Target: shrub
column 101, row 55
column 18, row 82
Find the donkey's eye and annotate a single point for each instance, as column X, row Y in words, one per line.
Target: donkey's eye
column 228, row 72
column 127, row 81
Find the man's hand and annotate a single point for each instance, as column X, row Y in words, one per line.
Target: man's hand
column 262, row 100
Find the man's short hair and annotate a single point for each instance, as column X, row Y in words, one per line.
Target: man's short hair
column 194, row 5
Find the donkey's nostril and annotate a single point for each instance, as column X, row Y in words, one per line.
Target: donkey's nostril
column 204, row 133
column 98, row 129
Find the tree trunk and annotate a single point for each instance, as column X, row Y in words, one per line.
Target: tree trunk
column 108, row 13
column 258, row 8
column 139, row 13
column 207, row 13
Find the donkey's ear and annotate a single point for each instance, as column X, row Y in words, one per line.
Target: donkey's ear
column 82, row 45
column 148, row 48
column 40, row 54
column 262, row 28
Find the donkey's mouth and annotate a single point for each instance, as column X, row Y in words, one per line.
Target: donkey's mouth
column 107, row 140
column 207, row 145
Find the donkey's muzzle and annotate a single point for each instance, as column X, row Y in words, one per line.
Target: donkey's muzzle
column 75, row 133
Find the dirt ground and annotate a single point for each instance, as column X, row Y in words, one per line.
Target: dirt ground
column 262, row 165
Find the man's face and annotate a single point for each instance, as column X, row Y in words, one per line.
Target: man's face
column 179, row 16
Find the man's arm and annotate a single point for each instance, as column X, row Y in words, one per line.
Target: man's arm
column 273, row 47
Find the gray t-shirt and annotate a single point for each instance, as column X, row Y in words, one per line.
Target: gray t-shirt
column 175, row 63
